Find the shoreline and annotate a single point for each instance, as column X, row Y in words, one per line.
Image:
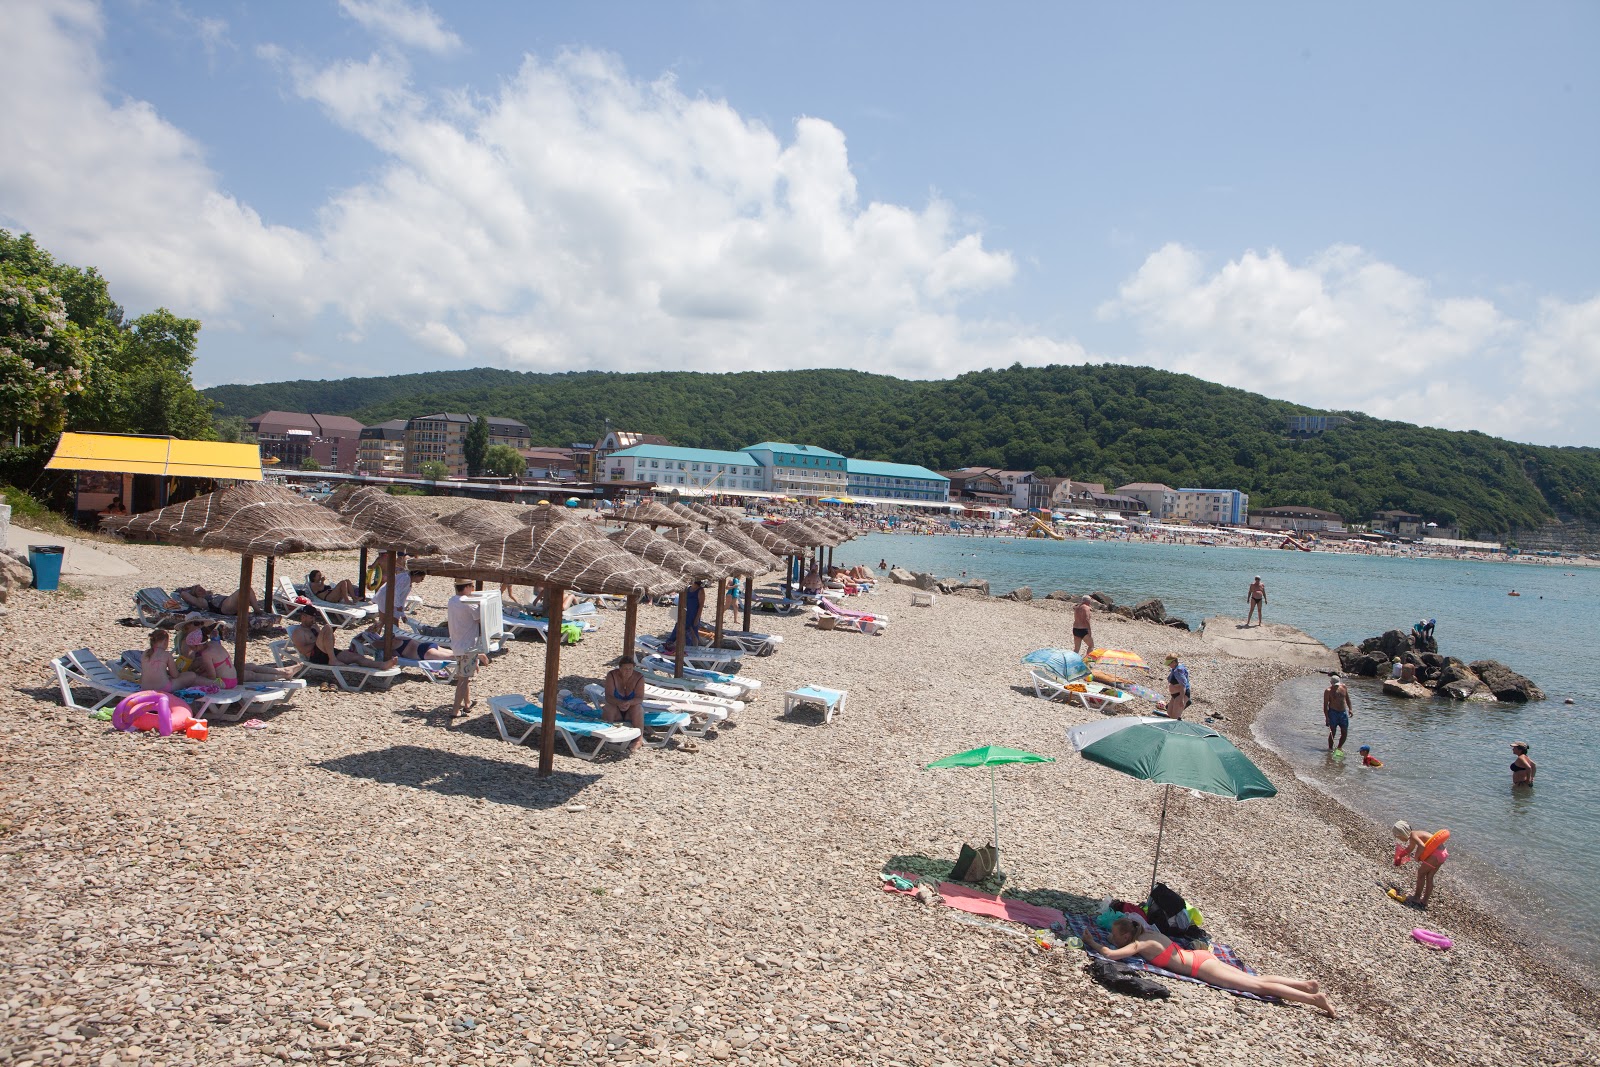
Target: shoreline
column 358, row 872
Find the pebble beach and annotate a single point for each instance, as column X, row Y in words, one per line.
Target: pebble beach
column 360, row 883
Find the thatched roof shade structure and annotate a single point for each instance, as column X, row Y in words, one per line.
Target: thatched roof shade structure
column 566, row 554
column 708, row 548
column 742, row 543
column 771, row 539
column 252, row 519
column 481, row 524
column 650, row 513
column 668, row 555
column 394, row 523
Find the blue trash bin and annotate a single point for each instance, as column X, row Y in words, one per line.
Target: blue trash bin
column 46, row 563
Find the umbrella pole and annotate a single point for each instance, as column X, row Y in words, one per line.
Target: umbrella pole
column 994, row 807
column 722, row 595
column 554, row 595
column 388, row 610
column 266, row 600
column 683, row 637
column 749, row 595
column 1165, row 793
column 630, row 625
column 241, row 629
column 788, row 576
column 361, row 575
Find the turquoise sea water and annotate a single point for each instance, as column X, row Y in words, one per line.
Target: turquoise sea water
column 1446, row 764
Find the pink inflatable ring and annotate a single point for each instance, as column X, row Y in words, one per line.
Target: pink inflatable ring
column 149, row 709
column 1432, row 939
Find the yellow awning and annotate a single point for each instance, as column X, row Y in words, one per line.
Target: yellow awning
column 127, row 454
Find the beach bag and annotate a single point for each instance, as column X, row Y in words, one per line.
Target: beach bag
column 975, row 864
column 1120, row 978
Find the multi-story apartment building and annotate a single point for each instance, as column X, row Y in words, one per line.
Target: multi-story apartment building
column 292, row 437
column 1161, row 500
column 702, row 468
column 442, row 438
column 1222, row 507
column 872, row 480
column 801, row 470
column 382, row 448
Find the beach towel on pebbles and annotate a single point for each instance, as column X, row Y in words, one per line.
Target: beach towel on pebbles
column 1075, row 925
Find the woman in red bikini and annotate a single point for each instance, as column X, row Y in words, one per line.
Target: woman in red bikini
column 1131, row 939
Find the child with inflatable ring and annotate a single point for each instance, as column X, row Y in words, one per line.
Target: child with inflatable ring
column 1427, row 848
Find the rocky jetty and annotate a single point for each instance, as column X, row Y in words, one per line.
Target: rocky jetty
column 1436, row 674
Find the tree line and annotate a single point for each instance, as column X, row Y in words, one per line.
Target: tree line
column 1108, row 423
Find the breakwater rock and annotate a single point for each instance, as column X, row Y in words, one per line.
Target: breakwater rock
column 1422, row 666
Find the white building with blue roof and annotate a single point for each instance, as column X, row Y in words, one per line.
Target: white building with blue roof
column 708, row 469
column 897, row 483
column 801, row 470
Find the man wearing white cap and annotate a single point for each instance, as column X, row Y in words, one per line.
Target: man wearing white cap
column 1258, row 602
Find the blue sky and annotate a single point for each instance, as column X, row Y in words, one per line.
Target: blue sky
column 1382, row 208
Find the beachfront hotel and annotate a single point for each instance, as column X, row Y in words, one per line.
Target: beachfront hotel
column 774, row 468
column 442, row 438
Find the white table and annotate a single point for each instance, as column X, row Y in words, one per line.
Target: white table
column 921, row 598
column 831, row 701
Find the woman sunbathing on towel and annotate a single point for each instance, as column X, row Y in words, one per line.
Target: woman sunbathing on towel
column 1132, row 939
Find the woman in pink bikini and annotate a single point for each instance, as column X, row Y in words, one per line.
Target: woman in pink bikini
column 1132, row 939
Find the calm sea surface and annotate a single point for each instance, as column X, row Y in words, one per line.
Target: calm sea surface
column 1446, row 764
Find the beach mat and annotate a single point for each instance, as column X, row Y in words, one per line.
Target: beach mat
column 976, row 902
column 1075, row 925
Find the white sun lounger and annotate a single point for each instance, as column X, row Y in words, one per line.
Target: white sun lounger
column 703, row 717
column 514, row 713
column 692, row 699
column 434, row 670
column 151, row 606
column 351, row 679
column 745, row 684
column 290, row 600
column 660, row 726
column 1094, row 696
column 756, row 644
column 702, row 656
column 664, row 679
column 225, row 705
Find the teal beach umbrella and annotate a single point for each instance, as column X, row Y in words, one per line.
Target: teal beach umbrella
column 1184, row 754
column 1061, row 662
column 991, row 756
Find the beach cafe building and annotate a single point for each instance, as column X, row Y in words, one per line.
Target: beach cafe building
column 147, row 472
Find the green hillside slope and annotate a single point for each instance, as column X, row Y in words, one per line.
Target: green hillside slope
column 1101, row 423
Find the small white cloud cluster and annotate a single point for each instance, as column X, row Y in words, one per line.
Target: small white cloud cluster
column 1345, row 331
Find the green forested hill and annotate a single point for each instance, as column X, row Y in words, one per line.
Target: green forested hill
column 1100, row 423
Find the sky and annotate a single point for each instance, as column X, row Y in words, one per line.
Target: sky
column 1371, row 207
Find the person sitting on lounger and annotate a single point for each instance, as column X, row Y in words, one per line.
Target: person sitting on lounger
column 812, row 582
column 199, row 598
column 1132, row 939
column 213, row 660
column 342, row 593
column 314, row 641
column 158, row 670
column 624, row 698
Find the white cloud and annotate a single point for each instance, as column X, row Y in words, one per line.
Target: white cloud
column 115, row 185
column 411, row 25
column 1345, row 331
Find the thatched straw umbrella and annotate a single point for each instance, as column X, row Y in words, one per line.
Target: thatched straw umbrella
column 700, row 514
column 650, row 513
column 730, row 534
column 722, row 555
column 398, row 526
column 670, row 557
column 557, row 556
column 248, row 518
column 481, row 524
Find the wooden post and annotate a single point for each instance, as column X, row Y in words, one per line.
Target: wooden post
column 479, row 586
column 361, row 575
column 388, row 609
column 630, row 625
column 267, row 601
column 749, row 595
column 788, row 578
column 553, row 596
column 722, row 594
column 683, row 636
column 241, row 632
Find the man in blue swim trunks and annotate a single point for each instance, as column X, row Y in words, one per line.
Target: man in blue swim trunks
column 1336, row 710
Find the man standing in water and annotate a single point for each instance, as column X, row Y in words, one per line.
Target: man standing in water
column 1082, row 636
column 1336, row 710
column 1258, row 603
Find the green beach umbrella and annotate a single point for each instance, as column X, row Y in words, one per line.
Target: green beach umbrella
column 990, row 756
column 1184, row 754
